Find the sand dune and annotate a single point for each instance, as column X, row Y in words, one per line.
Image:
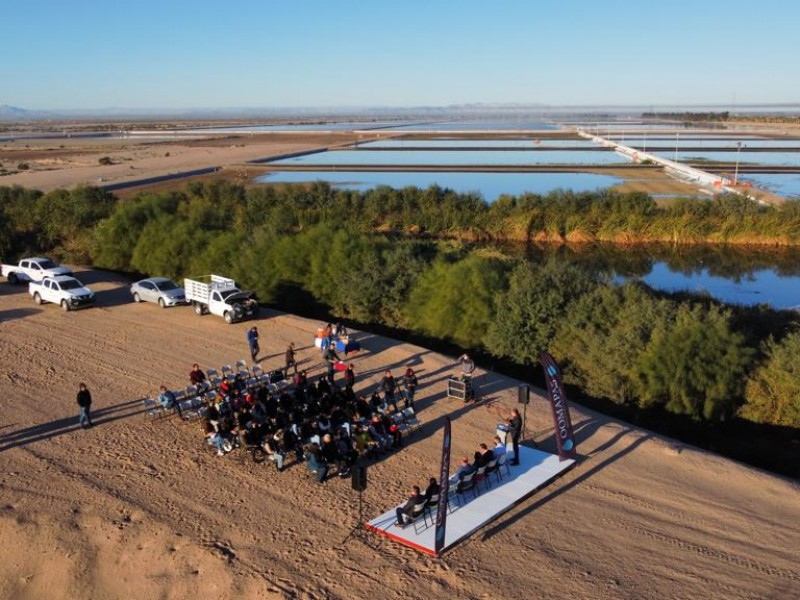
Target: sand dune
column 140, row 508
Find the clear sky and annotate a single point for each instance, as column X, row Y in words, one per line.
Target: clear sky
column 60, row 54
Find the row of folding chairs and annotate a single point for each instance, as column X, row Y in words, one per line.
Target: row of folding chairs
column 194, row 398
column 406, row 420
column 482, row 475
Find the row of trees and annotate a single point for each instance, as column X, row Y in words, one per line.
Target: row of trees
column 625, row 344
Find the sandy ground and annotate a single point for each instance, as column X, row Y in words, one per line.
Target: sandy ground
column 66, row 163
column 140, row 507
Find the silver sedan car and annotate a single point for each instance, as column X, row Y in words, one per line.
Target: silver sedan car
column 161, row 290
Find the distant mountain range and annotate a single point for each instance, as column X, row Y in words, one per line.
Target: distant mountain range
column 474, row 111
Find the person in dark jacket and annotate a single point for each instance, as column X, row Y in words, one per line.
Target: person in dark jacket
column 405, row 513
column 196, row 375
column 349, row 377
column 291, row 361
column 316, row 463
column 85, row 403
column 389, row 387
column 252, row 341
column 432, row 490
column 409, row 387
column 515, row 429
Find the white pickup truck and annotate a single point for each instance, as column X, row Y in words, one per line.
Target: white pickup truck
column 220, row 296
column 32, row 269
column 64, row 290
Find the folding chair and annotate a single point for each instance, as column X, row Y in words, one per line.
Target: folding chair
column 241, row 368
column 410, row 419
column 466, row 484
column 251, row 383
column 152, row 408
column 212, row 397
column 480, row 475
column 432, row 506
column 188, row 410
column 191, row 391
column 214, row 378
column 503, row 462
column 491, row 467
column 226, row 371
column 417, row 512
column 272, row 388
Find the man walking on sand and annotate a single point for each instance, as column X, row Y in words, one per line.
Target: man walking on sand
column 252, row 340
column 85, row 403
column 291, row 361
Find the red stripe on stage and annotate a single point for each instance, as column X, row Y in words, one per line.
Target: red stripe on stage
column 401, row 540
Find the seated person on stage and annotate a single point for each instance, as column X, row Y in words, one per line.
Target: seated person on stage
column 432, row 491
column 483, row 456
column 464, row 470
column 405, row 513
column 499, row 447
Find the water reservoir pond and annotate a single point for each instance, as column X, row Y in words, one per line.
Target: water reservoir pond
column 785, row 184
column 455, row 157
column 333, row 126
column 745, row 276
column 754, row 158
column 504, row 125
column 462, row 143
column 490, row 185
column 706, row 143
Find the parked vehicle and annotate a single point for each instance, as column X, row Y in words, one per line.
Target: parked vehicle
column 220, row 296
column 160, row 290
column 63, row 290
column 32, row 269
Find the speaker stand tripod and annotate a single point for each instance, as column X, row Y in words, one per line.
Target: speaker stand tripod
column 358, row 529
column 525, row 426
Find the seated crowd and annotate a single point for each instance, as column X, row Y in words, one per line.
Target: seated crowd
column 319, row 422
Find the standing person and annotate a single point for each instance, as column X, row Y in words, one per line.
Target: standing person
column 85, row 403
column 515, row 425
column 389, row 387
column 331, row 358
column 252, row 340
column 196, row 375
column 350, row 377
column 290, row 359
column 409, row 385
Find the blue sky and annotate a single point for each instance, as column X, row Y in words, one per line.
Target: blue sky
column 199, row 54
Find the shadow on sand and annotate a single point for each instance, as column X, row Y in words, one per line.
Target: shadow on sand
column 46, row 431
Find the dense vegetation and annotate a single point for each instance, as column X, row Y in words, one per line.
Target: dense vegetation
column 689, row 115
column 622, row 344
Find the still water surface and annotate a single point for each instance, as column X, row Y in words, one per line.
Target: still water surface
column 490, row 185
column 735, row 275
column 463, row 143
column 456, row 157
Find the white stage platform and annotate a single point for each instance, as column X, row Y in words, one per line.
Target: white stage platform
column 536, row 470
